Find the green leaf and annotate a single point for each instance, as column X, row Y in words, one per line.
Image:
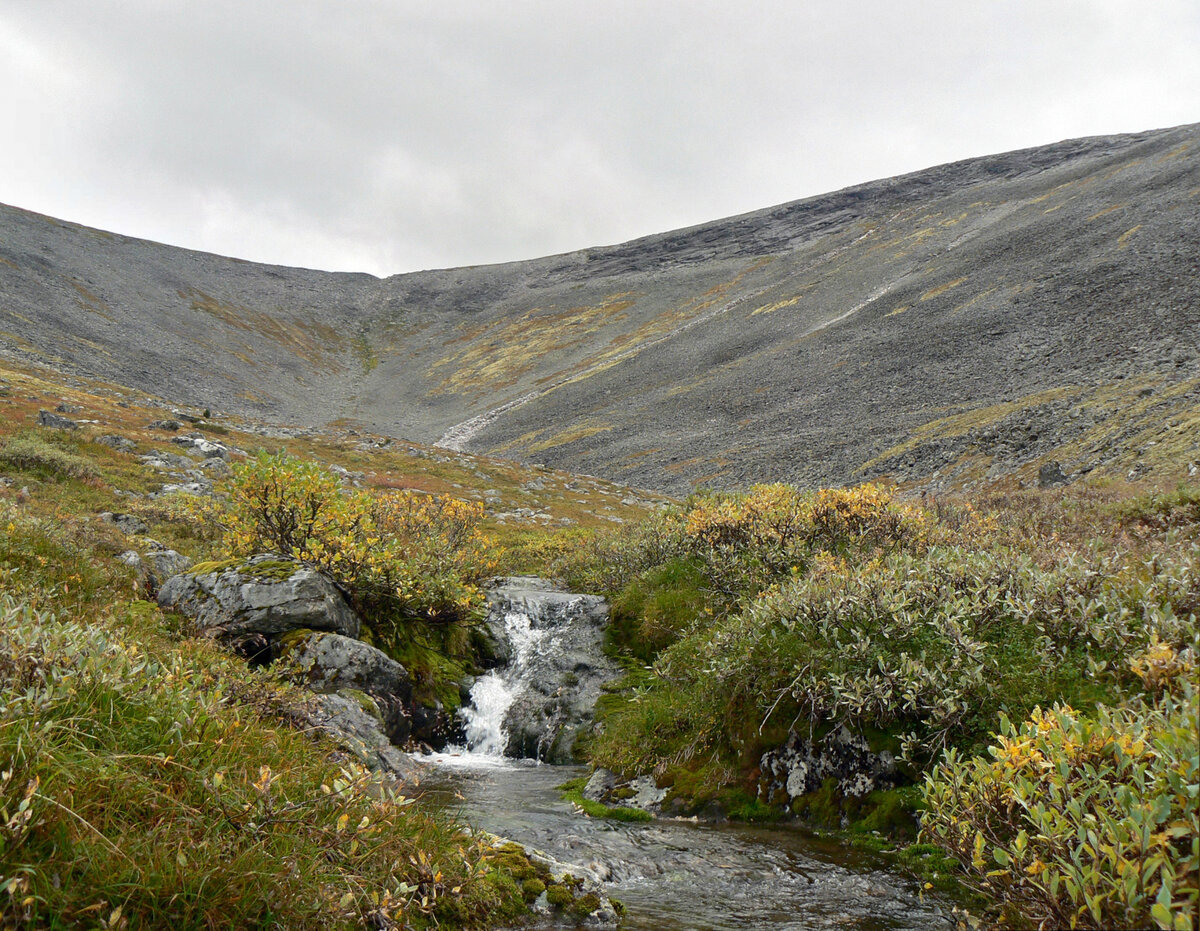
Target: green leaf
column 1162, row 916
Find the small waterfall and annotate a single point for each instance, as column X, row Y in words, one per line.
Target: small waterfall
column 493, row 694
column 543, row 694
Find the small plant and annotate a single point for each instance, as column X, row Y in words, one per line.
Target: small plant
column 31, row 453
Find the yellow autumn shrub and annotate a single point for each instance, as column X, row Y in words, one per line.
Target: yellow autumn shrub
column 399, row 555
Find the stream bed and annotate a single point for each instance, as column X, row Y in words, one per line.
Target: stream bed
column 676, row 875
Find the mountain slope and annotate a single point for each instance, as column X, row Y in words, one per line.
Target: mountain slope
column 968, row 320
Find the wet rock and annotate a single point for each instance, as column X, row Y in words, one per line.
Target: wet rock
column 263, row 596
column 551, row 642
column 55, row 422
column 435, row 727
column 801, row 766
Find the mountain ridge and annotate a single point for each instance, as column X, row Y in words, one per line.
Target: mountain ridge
column 821, row 341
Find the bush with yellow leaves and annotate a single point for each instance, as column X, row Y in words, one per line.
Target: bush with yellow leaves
column 400, row 555
column 1081, row 821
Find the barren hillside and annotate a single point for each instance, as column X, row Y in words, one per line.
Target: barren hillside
column 966, row 321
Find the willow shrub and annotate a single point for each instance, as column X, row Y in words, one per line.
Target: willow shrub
column 926, row 648
column 400, row 555
column 1081, row 821
column 742, row 543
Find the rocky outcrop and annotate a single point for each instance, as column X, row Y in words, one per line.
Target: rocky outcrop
column 258, row 598
column 274, row 609
column 327, row 662
column 803, row 764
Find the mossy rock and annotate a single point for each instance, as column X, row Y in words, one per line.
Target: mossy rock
column 585, row 904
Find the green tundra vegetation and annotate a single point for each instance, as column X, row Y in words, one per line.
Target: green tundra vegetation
column 1029, row 656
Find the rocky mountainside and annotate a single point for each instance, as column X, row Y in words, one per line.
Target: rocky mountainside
column 959, row 323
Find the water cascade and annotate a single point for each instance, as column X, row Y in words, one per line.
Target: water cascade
column 542, row 693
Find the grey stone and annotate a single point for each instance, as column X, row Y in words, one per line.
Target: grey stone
column 54, row 421
column 121, row 444
column 359, row 731
column 167, row 426
column 1051, row 475
column 128, row 523
column 265, row 595
column 328, row 662
column 155, row 566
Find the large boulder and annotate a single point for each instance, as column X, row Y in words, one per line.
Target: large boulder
column 257, row 599
column 328, row 662
column 353, row 722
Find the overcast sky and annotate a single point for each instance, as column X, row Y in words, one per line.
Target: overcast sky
column 388, row 136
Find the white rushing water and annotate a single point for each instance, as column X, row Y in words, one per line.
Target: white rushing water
column 493, row 694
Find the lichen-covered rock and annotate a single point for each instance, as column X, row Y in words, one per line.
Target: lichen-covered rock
column 263, row 596
column 801, row 765
column 329, row 662
column 607, row 788
column 155, row 566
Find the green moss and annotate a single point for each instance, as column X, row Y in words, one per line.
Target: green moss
column 213, row 566
column 889, row 811
column 294, row 639
column 365, row 702
column 822, row 808
column 559, row 896
column 599, row 810
column 739, row 805
column 585, row 904
column 532, row 888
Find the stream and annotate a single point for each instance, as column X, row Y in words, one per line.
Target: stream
column 676, row 875
column 671, row 874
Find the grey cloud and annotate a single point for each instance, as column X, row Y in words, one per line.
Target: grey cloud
column 387, row 136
